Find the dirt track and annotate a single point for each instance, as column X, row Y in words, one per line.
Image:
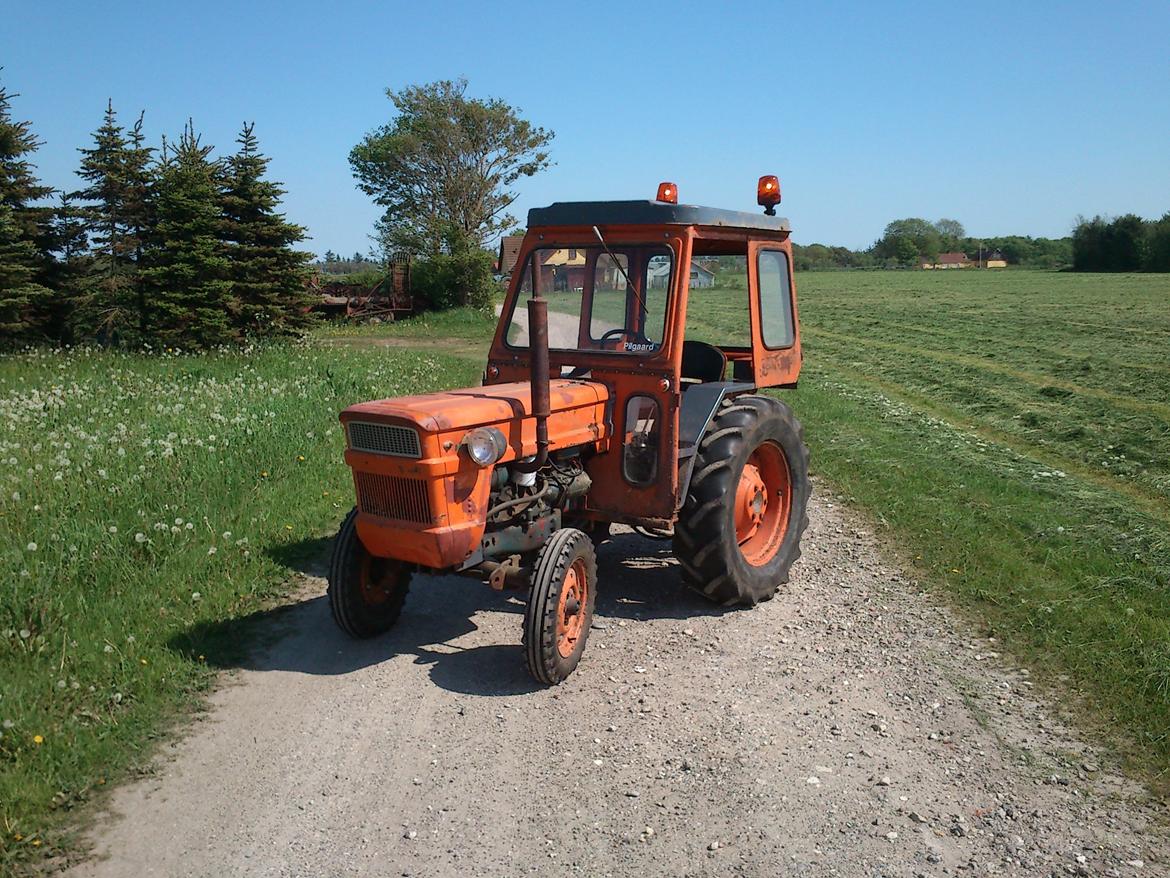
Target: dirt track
column 848, row 727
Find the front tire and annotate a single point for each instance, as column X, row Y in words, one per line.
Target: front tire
column 366, row 593
column 739, row 530
column 560, row 605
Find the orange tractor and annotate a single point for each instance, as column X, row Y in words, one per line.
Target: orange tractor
column 595, row 408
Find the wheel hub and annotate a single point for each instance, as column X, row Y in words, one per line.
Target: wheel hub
column 751, row 502
column 763, row 502
column 571, row 608
column 379, row 578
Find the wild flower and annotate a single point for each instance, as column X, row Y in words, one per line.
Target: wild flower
column 32, row 547
column 140, row 537
column 38, row 739
column 211, row 551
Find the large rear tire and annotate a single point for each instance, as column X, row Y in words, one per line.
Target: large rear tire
column 739, row 530
column 366, row 593
column 560, row 605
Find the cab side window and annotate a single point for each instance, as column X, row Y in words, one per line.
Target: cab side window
column 775, row 299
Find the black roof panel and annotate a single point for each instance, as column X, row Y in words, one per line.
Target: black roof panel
column 612, row 213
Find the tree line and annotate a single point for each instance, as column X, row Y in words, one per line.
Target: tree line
column 907, row 243
column 1128, row 243
column 166, row 247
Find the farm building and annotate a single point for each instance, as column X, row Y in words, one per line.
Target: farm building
column 949, row 260
column 509, row 252
column 563, row 269
column 994, row 259
column 701, row 275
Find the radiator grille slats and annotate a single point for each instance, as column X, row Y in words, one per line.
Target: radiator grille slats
column 393, row 497
column 384, row 439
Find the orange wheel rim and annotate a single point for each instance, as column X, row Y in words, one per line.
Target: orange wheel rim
column 571, row 609
column 377, row 579
column 763, row 503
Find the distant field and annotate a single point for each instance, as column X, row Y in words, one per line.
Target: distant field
column 1013, row 430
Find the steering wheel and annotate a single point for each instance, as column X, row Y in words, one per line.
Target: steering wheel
column 620, row 330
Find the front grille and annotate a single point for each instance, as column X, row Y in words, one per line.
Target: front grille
column 384, row 439
column 393, row 497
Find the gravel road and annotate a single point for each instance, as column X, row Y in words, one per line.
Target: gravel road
column 849, row 727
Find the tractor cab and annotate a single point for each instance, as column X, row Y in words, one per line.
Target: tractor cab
column 673, row 308
column 622, row 387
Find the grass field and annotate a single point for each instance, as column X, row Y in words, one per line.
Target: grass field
column 145, row 502
column 1010, row 432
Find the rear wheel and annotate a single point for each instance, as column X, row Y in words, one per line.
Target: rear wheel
column 366, row 593
column 739, row 530
column 560, row 605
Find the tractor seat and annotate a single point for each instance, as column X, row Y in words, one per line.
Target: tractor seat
column 702, row 362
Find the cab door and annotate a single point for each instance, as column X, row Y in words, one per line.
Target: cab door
column 776, row 353
column 637, row 479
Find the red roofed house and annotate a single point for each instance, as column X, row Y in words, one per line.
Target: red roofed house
column 509, row 251
column 949, row 260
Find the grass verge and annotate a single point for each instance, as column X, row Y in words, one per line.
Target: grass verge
column 142, row 499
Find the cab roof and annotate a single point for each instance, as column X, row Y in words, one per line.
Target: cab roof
column 625, row 213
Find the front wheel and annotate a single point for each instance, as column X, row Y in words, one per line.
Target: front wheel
column 560, row 605
column 366, row 593
column 739, row 530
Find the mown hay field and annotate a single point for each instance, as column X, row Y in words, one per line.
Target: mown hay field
column 1011, row 432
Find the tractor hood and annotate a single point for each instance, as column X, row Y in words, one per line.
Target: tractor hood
column 477, row 406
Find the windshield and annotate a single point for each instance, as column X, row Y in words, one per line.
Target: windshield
column 600, row 300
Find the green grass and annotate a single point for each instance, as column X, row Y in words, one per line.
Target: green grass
column 1012, row 432
column 459, row 323
column 144, row 502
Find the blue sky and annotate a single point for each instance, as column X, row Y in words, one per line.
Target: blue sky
column 1010, row 117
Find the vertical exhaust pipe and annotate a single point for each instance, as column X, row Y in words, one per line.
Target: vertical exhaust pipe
column 538, row 379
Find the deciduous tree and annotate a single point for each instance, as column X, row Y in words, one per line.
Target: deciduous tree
column 444, row 167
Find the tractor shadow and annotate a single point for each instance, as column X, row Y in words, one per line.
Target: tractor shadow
column 638, row 580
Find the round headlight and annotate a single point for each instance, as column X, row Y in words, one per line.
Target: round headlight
column 485, row 445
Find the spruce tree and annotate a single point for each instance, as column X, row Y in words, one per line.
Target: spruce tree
column 117, row 168
column 268, row 275
column 72, row 274
column 186, row 274
column 24, row 231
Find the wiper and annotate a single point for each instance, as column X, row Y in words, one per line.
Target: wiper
column 618, row 265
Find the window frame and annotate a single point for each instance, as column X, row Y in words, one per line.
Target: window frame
column 616, row 247
column 791, row 312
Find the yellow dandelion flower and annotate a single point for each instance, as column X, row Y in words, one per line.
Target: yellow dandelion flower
column 954, row 570
column 36, row 842
column 38, row 739
column 18, row 837
column 300, row 457
column 263, row 473
column 143, row 661
column 288, row 527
